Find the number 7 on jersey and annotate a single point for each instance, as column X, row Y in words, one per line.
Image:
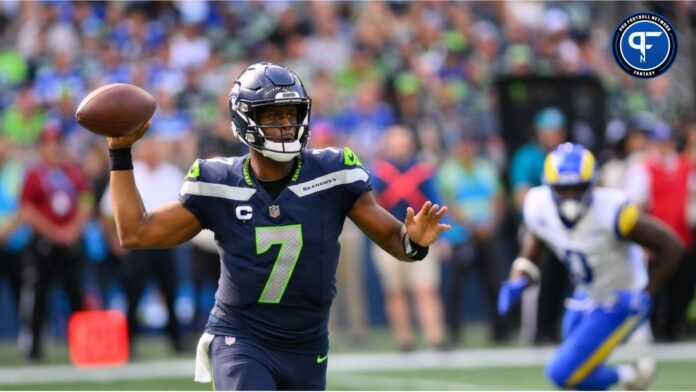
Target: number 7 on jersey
column 290, row 240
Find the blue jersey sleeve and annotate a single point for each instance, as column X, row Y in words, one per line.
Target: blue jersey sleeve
column 344, row 165
column 203, row 188
column 189, row 197
column 358, row 177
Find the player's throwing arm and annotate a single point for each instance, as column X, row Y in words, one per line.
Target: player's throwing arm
column 122, row 113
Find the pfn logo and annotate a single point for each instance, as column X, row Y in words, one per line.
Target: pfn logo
column 645, row 45
column 642, row 45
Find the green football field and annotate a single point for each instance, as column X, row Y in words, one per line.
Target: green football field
column 671, row 376
column 474, row 365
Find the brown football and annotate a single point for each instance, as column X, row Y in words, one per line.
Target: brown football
column 117, row 109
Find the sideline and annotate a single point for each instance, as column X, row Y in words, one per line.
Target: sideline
column 359, row 362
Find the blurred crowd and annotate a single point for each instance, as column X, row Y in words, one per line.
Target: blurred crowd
column 407, row 85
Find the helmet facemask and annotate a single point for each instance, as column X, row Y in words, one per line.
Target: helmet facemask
column 571, row 172
column 572, row 201
column 293, row 136
column 260, row 88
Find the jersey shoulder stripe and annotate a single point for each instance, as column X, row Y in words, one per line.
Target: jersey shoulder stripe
column 331, row 167
column 199, row 188
column 217, row 177
column 328, row 181
column 626, row 219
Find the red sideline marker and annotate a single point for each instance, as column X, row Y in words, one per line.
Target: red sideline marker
column 98, row 338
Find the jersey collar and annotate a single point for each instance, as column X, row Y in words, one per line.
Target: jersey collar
column 247, row 170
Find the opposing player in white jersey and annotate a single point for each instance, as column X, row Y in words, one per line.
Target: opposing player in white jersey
column 596, row 232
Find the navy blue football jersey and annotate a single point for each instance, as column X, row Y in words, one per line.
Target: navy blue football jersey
column 279, row 257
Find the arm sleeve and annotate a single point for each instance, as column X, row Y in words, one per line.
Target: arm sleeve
column 198, row 205
column 359, row 180
column 357, row 188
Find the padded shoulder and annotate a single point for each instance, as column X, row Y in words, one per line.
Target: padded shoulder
column 615, row 210
column 227, row 170
column 332, row 159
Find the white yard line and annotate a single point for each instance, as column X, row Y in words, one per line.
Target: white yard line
column 364, row 362
column 367, row 381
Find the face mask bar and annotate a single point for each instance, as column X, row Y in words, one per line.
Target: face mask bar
column 293, row 138
column 289, row 135
column 572, row 201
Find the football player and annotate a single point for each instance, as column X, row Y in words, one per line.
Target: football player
column 276, row 214
column 596, row 232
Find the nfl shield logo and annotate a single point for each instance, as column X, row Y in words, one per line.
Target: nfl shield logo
column 274, row 210
column 229, row 340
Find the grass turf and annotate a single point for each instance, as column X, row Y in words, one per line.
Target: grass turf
column 671, row 376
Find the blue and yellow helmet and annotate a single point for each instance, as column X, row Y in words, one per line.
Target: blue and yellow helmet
column 570, row 164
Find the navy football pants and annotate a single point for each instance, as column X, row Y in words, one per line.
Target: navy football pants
column 244, row 364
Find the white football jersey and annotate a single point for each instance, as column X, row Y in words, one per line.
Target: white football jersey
column 595, row 253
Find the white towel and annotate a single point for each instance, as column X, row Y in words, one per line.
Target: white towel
column 203, row 371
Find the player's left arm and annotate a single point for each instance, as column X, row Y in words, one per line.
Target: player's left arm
column 386, row 231
column 666, row 247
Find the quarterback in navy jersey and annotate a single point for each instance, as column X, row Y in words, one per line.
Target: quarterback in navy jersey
column 276, row 214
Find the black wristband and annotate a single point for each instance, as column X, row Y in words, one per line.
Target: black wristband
column 413, row 251
column 120, row 159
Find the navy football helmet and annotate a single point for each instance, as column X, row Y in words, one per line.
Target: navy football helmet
column 260, row 85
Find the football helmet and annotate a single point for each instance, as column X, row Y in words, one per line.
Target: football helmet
column 260, row 85
column 570, row 170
